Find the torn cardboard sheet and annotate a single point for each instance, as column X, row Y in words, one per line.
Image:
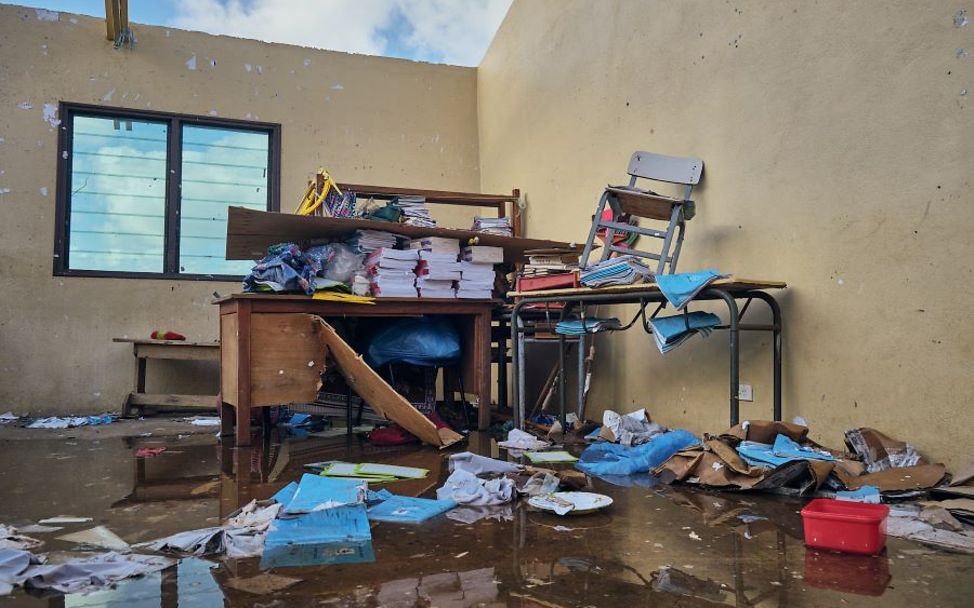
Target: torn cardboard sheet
column 97, row 537
column 915, row 529
column 10, row 538
column 965, row 474
column 918, row 477
column 765, row 431
column 481, row 465
column 880, row 452
column 380, row 396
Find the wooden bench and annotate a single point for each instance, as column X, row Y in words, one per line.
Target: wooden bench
column 179, row 350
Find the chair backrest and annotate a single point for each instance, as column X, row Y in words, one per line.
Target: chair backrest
column 672, row 169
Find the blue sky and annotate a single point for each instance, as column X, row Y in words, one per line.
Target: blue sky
column 440, row 31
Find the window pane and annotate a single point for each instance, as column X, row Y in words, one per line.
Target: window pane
column 221, row 167
column 118, row 195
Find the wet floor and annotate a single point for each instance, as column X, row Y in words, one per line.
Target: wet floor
column 655, row 546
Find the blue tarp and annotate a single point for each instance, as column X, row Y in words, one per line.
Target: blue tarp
column 615, row 459
column 406, row 509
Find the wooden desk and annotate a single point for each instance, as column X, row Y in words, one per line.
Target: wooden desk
column 176, row 350
column 272, row 355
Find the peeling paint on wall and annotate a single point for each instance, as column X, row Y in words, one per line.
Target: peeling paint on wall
column 50, row 115
column 960, row 19
column 46, row 15
column 337, row 87
column 24, row 105
column 108, row 96
column 191, row 63
column 248, row 67
column 961, row 53
column 307, row 62
column 43, row 190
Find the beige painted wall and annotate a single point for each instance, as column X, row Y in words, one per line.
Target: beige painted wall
column 838, row 158
column 369, row 120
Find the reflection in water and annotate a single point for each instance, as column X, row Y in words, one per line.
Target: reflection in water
column 657, row 545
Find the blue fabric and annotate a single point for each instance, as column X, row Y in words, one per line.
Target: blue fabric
column 284, row 268
column 407, row 509
column 670, row 332
column 615, row 459
column 425, row 341
column 786, row 447
column 680, row 288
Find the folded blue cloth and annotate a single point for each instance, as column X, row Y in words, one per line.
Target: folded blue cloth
column 680, row 288
column 616, row 459
column 670, row 332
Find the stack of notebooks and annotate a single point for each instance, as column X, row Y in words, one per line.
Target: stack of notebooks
column 578, row 327
column 500, row 226
column 367, row 241
column 392, row 272
column 542, row 262
column 670, row 332
column 477, row 271
column 415, row 212
column 623, row 270
column 438, row 268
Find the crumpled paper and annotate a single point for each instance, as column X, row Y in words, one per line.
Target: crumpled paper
column 467, row 489
column 630, row 429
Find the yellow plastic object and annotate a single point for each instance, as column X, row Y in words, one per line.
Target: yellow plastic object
column 335, row 296
column 317, row 192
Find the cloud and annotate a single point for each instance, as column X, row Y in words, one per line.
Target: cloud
column 452, row 31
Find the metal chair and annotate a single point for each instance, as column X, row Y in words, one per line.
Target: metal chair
column 637, row 203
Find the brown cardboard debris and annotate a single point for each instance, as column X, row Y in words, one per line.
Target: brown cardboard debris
column 919, row 477
column 765, row 431
column 380, row 396
column 965, row 475
column 262, row 584
column 879, row 451
column 961, row 508
column 940, row 518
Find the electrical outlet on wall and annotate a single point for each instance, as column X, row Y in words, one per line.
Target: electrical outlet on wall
column 745, row 392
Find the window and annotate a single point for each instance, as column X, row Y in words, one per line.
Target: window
column 145, row 194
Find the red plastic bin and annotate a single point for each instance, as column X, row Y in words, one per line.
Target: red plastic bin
column 847, row 527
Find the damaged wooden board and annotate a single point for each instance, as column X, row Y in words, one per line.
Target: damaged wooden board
column 379, row 395
column 251, row 232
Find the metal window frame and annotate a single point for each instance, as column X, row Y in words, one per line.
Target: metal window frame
column 175, row 121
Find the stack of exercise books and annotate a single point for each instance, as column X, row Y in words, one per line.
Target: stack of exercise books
column 477, row 271
column 500, row 226
column 392, row 272
column 439, row 268
column 367, row 241
column 415, row 212
column 543, row 262
column 623, row 270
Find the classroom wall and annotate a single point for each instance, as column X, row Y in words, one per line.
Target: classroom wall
column 836, row 137
column 367, row 119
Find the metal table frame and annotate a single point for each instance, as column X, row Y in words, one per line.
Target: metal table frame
column 652, row 295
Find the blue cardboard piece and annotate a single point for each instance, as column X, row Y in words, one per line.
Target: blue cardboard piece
column 315, row 493
column 333, row 536
column 406, row 509
column 285, row 494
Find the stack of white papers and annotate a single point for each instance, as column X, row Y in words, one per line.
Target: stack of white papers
column 367, row 241
column 436, row 244
column 500, row 226
column 483, row 254
column 437, row 274
column 415, row 212
column 392, row 272
column 476, row 281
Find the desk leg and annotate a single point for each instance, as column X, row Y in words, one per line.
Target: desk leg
column 243, row 373
column 517, row 384
column 482, row 340
column 501, row 365
column 228, row 417
column 735, row 355
column 776, row 346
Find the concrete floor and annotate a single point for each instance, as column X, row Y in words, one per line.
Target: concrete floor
column 656, row 546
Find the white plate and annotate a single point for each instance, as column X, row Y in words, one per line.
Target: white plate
column 583, row 502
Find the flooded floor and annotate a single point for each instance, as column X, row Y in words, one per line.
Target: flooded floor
column 655, row 546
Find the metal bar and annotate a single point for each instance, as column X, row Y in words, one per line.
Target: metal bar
column 735, row 355
column 744, row 308
column 633, row 228
column 665, row 251
column 776, row 342
column 562, row 385
column 516, row 347
column 580, row 406
column 590, row 242
column 635, row 252
column 501, row 366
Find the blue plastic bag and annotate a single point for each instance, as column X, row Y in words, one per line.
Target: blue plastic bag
column 615, row 459
column 425, row 341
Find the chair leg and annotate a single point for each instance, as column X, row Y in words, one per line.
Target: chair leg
column 679, row 246
column 463, row 400
column 665, row 251
column 590, row 243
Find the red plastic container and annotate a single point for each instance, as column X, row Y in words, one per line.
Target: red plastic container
column 847, row 527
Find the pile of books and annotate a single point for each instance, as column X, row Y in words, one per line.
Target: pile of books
column 477, row 271
column 415, row 212
column 439, row 268
column 392, row 272
column 623, row 270
column 500, row 226
column 367, row 241
column 543, row 262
